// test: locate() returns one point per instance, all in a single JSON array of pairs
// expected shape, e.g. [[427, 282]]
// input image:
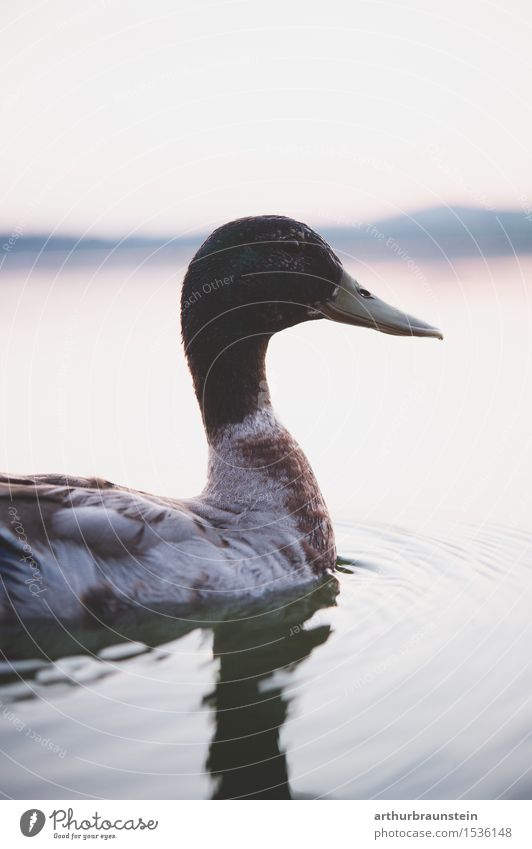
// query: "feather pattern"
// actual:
[[75, 547]]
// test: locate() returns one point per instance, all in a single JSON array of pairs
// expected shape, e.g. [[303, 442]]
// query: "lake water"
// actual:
[[409, 676]]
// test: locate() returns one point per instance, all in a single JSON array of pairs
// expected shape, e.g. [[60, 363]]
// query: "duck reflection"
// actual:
[[256, 649], [246, 759]]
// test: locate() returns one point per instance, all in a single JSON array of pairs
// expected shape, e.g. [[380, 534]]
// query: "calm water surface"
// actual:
[[409, 676]]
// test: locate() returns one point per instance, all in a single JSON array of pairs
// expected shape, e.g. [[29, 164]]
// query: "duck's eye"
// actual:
[[365, 293]]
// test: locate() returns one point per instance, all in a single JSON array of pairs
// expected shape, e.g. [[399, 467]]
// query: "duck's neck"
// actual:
[[229, 381], [254, 463]]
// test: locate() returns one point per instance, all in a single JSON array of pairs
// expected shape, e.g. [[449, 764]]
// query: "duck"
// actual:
[[78, 549]]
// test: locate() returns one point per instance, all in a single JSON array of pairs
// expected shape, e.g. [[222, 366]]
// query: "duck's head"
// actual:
[[264, 274], [256, 276]]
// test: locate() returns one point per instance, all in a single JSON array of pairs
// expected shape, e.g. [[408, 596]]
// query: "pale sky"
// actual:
[[159, 116]]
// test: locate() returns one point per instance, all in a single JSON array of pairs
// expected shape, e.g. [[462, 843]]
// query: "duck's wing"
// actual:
[[71, 547]]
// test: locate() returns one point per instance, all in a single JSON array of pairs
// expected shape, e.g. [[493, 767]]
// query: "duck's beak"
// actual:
[[351, 304]]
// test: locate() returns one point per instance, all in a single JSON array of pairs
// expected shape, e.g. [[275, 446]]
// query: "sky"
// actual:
[[158, 117]]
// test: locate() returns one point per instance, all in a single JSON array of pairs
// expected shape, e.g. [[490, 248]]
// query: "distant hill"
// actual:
[[445, 231], [434, 233]]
